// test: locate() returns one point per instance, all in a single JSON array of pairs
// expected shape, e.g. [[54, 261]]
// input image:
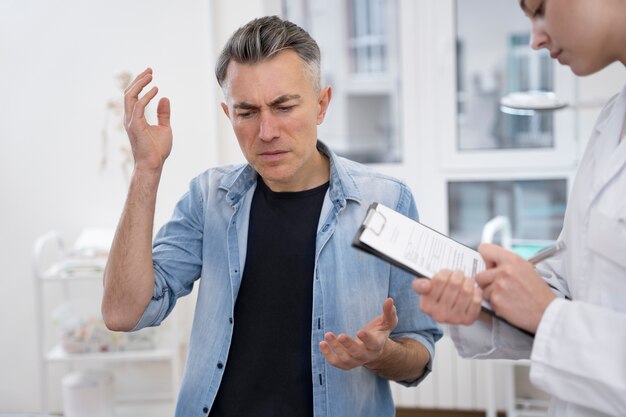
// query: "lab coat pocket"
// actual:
[[607, 236]]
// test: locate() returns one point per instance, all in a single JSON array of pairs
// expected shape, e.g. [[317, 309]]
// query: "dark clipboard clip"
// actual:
[[375, 221]]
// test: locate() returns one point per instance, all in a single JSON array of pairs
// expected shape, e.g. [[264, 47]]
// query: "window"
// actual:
[[493, 60], [368, 36], [535, 208], [358, 40]]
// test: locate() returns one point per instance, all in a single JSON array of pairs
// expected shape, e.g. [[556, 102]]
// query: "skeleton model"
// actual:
[[115, 146]]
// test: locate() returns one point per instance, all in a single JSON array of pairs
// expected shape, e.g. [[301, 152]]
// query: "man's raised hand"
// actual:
[[151, 144]]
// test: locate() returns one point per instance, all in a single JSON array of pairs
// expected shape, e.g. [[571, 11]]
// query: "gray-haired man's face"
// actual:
[[274, 109]]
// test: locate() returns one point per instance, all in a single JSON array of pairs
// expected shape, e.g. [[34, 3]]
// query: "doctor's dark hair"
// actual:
[[261, 39]]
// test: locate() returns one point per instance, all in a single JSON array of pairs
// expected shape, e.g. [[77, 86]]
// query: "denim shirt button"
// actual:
[[220, 365], [230, 319], [205, 410]]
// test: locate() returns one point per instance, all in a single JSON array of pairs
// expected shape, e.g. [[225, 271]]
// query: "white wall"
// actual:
[[58, 63], [57, 60]]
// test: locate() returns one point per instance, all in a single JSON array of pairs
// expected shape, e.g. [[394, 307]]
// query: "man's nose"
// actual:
[[268, 129], [539, 38]]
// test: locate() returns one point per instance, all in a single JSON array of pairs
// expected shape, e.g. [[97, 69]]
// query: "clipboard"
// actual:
[[413, 246], [416, 248]]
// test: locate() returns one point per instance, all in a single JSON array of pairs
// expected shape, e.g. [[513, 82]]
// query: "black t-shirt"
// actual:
[[268, 373]]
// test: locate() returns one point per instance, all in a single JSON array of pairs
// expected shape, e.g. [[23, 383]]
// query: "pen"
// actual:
[[547, 252]]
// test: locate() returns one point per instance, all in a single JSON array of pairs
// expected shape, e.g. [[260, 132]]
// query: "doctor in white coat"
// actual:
[[578, 354]]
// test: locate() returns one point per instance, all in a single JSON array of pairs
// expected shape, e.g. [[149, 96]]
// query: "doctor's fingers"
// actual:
[[422, 286], [494, 255], [460, 300], [510, 267], [498, 285], [453, 286], [131, 94], [467, 306], [439, 283], [429, 299], [474, 309]]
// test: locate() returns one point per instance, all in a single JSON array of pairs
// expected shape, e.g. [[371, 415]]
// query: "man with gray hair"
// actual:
[[288, 317]]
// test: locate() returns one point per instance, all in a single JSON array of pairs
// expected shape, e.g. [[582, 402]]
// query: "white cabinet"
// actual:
[[524, 400], [63, 279]]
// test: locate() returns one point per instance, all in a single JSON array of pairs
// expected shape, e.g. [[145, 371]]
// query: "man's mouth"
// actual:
[[272, 155]]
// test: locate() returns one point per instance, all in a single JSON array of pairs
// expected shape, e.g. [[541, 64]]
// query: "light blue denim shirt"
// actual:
[[206, 240]]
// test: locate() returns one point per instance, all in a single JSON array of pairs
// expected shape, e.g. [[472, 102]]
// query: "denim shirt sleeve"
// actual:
[[412, 323], [176, 256]]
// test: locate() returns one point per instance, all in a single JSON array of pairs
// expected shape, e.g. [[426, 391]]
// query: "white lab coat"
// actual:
[[579, 352]]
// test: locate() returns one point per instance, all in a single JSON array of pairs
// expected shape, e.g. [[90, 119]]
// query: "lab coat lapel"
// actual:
[[610, 158]]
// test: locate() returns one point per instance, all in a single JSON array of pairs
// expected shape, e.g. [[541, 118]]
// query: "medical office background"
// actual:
[[416, 90]]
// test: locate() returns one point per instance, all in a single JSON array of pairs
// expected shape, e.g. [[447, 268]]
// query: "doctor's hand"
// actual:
[[514, 289], [151, 144], [345, 352], [449, 297]]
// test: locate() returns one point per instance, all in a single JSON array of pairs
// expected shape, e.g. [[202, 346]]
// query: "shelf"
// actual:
[[57, 354], [70, 276], [81, 269], [61, 272], [532, 413], [145, 408], [147, 397]]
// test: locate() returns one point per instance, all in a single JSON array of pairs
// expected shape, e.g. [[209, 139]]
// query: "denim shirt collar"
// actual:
[[342, 186]]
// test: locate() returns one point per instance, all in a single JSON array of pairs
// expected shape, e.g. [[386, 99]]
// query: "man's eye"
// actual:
[[245, 115], [538, 11], [284, 109]]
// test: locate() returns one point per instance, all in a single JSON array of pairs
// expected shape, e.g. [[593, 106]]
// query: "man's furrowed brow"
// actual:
[[284, 99], [245, 106]]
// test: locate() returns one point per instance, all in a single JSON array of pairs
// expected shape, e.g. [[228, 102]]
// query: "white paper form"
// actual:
[[416, 246]]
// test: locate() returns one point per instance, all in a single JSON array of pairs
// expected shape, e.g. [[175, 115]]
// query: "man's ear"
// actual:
[[225, 109], [323, 101]]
